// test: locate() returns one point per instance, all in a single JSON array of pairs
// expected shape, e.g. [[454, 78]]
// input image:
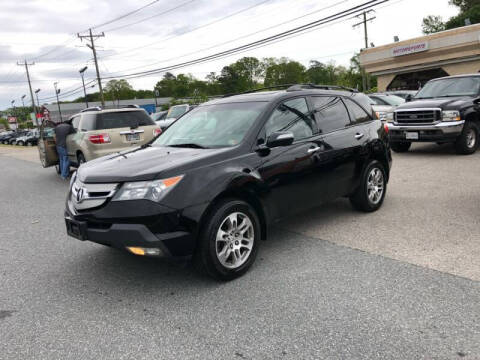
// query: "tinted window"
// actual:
[[291, 116], [87, 122], [357, 114], [461, 86], [377, 100], [330, 113], [112, 120], [177, 111]]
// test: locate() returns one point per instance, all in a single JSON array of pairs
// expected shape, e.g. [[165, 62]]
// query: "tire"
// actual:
[[29, 143], [400, 147], [467, 142], [239, 252], [20, 143], [367, 197], [80, 159]]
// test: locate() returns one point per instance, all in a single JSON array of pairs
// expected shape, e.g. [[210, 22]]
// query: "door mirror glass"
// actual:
[[408, 98], [280, 138]]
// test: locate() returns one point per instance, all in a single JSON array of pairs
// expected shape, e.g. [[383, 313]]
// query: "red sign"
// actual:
[[12, 120]]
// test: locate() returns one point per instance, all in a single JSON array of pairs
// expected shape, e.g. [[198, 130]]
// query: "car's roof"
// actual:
[[457, 76], [269, 96]]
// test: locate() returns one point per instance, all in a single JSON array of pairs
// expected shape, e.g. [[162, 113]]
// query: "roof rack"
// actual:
[[300, 87], [261, 89], [94, 108]]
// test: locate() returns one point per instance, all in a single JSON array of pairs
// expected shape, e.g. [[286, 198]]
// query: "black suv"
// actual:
[[446, 110], [210, 185]]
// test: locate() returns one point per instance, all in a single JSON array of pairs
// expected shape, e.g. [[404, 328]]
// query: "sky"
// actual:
[[168, 32]]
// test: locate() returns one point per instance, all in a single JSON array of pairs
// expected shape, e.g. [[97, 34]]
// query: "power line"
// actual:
[[189, 31], [263, 42], [239, 38], [150, 17]]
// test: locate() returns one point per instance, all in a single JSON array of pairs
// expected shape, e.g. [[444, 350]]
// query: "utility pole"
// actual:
[[57, 91], [365, 77], [91, 37], [34, 108], [81, 71]]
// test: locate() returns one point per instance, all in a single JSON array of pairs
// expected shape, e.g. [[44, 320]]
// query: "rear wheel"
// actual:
[[20, 143], [467, 142], [229, 241], [29, 143], [370, 194], [400, 147]]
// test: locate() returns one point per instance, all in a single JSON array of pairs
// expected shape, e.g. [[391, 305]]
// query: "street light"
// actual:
[[36, 93], [57, 91], [23, 103], [81, 71], [13, 106]]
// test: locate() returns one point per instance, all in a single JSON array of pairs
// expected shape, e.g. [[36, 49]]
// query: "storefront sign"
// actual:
[[410, 49]]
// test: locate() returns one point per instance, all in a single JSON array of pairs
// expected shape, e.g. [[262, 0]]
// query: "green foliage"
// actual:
[[284, 71], [4, 122], [432, 24], [118, 90], [469, 9]]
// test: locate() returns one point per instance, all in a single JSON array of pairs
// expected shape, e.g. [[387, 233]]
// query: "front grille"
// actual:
[[427, 116], [87, 196]]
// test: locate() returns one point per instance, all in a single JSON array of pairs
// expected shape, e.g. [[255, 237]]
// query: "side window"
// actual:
[[357, 114], [330, 113], [75, 122], [292, 116], [378, 101], [87, 123]]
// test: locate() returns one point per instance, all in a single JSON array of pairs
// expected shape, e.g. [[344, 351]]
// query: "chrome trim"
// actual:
[[131, 132], [82, 195], [418, 109], [315, 149], [445, 126]]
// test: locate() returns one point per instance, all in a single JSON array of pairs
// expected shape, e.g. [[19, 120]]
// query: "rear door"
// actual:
[[46, 144], [74, 139]]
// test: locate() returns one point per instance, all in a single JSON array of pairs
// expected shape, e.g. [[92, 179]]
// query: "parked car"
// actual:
[[384, 104], [28, 139], [13, 139], [446, 110], [208, 188], [404, 94], [99, 133], [5, 136], [161, 115]]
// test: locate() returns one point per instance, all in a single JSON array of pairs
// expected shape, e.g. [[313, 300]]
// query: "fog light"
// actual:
[[144, 251]]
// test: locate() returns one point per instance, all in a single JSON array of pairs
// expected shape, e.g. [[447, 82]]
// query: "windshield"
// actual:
[[177, 111], [212, 126], [392, 100], [466, 86]]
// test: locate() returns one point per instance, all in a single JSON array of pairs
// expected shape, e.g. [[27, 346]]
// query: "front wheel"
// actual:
[[370, 194], [229, 240], [20, 143], [467, 142], [400, 147], [80, 159]]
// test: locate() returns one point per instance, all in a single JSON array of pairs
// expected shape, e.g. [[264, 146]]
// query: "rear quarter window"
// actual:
[[123, 119]]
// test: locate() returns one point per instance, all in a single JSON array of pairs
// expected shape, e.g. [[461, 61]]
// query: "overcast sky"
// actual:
[[174, 31]]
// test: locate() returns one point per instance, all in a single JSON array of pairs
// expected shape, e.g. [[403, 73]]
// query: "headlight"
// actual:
[[149, 190], [389, 117], [451, 115], [381, 115]]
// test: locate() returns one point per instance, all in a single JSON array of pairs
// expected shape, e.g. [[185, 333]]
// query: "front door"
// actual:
[[46, 144], [288, 171]]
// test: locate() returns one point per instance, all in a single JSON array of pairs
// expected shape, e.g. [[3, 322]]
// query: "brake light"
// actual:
[[99, 139], [385, 126], [157, 132]]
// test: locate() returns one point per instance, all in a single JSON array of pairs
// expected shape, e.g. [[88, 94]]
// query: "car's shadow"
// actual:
[[431, 149]]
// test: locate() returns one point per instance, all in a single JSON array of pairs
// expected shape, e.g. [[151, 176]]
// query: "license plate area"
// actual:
[[76, 229], [411, 135], [133, 137]]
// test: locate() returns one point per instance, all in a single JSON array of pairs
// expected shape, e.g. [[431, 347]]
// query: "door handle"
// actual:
[[358, 136], [315, 149]]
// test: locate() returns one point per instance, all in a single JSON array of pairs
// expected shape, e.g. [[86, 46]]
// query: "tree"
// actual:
[[432, 24], [284, 71], [465, 5], [472, 13], [119, 90]]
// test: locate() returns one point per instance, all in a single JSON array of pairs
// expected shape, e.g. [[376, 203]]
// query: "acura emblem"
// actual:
[[80, 194]]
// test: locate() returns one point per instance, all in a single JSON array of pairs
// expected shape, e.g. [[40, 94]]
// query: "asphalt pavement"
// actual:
[[330, 284]]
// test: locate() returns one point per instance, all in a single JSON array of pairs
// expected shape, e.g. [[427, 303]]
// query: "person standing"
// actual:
[[62, 130]]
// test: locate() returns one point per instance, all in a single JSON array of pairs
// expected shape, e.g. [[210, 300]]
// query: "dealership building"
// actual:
[[411, 63]]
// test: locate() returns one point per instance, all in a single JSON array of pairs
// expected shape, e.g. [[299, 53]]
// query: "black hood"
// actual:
[[450, 103], [145, 164]]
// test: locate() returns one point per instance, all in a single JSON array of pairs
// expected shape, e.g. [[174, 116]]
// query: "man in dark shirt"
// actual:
[[62, 130]]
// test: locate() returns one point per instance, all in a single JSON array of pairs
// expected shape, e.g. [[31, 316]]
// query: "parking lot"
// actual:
[[333, 283]]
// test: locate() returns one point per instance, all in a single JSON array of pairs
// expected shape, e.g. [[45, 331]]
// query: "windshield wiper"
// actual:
[[189, 145]]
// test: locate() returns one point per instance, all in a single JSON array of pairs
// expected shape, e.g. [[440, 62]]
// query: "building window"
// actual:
[[415, 80]]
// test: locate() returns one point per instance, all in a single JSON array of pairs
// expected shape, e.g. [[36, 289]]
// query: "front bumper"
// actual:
[[441, 131], [138, 225]]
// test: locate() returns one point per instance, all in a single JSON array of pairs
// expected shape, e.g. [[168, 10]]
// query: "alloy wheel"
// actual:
[[234, 241], [375, 185], [471, 137]]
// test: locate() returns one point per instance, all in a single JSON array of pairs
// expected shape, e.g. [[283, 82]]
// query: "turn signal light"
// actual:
[[144, 251], [157, 132], [385, 126], [99, 139], [136, 250]]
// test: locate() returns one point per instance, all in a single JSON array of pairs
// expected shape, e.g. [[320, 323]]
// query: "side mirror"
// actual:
[[476, 101], [408, 98], [280, 139]]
